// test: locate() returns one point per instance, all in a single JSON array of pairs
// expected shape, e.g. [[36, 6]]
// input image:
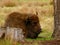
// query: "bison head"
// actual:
[[33, 26]]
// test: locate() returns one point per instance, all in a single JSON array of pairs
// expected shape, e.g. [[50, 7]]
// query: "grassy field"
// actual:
[[45, 14]]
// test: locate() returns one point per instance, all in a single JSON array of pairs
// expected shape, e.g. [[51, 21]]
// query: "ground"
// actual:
[[45, 14]]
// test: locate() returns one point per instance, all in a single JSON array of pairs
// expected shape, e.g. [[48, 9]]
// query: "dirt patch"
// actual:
[[51, 42]]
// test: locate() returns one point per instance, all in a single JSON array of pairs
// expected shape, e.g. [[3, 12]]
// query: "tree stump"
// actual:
[[14, 34]]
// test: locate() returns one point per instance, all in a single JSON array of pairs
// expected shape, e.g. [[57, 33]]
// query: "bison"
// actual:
[[29, 23]]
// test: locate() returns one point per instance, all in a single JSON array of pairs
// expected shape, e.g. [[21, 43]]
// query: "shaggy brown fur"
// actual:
[[28, 22]]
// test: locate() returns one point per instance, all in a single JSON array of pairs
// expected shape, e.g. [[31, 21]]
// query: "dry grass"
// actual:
[[11, 3], [45, 14]]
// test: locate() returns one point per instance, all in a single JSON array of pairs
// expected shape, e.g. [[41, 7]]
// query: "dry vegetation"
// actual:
[[44, 8]]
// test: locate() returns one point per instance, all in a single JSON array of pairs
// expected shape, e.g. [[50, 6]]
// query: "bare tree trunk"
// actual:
[[56, 33]]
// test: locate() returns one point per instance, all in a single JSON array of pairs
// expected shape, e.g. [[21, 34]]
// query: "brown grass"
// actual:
[[45, 14]]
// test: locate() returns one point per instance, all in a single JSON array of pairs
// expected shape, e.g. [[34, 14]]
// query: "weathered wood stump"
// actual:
[[14, 34]]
